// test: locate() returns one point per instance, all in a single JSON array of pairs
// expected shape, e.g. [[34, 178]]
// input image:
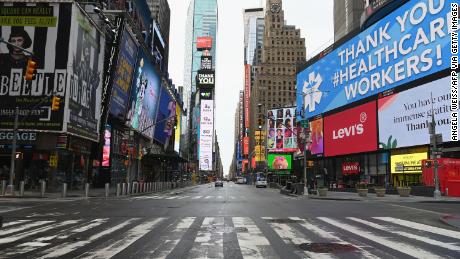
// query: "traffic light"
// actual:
[[55, 103], [31, 69]]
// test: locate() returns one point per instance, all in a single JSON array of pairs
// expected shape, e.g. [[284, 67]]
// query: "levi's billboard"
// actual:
[[408, 44], [351, 131]]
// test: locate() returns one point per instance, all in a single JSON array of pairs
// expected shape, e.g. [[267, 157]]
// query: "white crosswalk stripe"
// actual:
[[372, 237]]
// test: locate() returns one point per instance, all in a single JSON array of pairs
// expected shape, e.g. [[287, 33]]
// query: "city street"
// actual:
[[236, 221]]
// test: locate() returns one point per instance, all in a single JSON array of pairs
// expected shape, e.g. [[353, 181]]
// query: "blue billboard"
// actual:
[[410, 43], [123, 76], [144, 96], [165, 117]]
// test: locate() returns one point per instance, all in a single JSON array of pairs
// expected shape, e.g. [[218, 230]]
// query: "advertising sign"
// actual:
[[279, 161], [349, 168], [44, 30], [177, 132], [206, 135], [206, 63], [203, 43], [246, 146], [281, 135], [247, 94], [85, 77], [241, 117], [407, 163], [404, 116], [123, 76], [165, 117], [317, 139], [206, 94], [205, 78], [106, 147], [144, 96], [410, 43], [351, 131]]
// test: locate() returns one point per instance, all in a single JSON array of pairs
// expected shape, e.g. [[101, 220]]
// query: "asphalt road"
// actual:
[[236, 221]]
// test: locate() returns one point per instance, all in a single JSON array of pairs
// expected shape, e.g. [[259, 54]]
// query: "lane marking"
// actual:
[[68, 247], [209, 241], [423, 227], [172, 198], [196, 197], [252, 243], [422, 210], [24, 227], [183, 197], [12, 223], [114, 246], [208, 197], [397, 246]]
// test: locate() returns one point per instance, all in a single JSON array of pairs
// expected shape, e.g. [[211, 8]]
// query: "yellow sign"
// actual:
[[407, 163], [53, 161], [33, 21], [260, 153]]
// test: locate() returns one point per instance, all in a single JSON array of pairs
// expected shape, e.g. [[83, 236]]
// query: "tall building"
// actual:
[[253, 33], [201, 21], [275, 76], [347, 16], [161, 15]]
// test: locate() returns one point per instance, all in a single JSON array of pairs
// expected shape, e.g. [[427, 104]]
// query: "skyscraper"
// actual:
[[253, 33], [347, 16], [201, 21]]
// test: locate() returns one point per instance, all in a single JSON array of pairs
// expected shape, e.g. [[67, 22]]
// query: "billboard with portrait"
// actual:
[[279, 161], [165, 117], [45, 31], [145, 92], [404, 116], [410, 43], [351, 131], [206, 135], [106, 147], [281, 131], [317, 145], [177, 131], [85, 77], [123, 76]]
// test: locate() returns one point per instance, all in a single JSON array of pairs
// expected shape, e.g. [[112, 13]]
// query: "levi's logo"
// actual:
[[350, 167], [353, 130]]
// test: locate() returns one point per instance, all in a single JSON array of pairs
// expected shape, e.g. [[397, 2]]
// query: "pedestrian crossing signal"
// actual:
[[55, 103], [31, 70]]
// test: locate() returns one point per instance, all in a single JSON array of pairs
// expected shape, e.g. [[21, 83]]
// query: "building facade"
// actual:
[[347, 16]]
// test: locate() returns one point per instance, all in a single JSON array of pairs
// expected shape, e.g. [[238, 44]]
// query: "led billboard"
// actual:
[[203, 43], [407, 163], [279, 161], [165, 117], [206, 135], [106, 147], [404, 116], [205, 78], [177, 131], [317, 139], [351, 131], [410, 43], [247, 94], [281, 132]]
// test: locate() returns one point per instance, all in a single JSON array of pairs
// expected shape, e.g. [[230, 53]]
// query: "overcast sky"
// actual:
[[313, 17]]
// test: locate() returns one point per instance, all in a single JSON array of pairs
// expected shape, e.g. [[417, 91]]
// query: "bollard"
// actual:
[[43, 188], [155, 186], [151, 186], [123, 189], [3, 187], [128, 188], [118, 189], [64, 190], [134, 187], [21, 188], [87, 190], [107, 185]]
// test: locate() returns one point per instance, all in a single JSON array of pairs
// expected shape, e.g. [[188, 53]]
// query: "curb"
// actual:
[[333, 199], [451, 220]]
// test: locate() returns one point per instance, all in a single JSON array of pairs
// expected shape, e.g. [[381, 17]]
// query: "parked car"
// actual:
[[240, 180], [261, 182], [219, 183]]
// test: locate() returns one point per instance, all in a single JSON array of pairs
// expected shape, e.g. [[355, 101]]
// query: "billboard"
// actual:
[[203, 43], [44, 30], [410, 43], [85, 77], [177, 131], [351, 131], [247, 93], [407, 163], [279, 161], [205, 78], [317, 139], [259, 149], [123, 76], [404, 116], [206, 63], [246, 146], [206, 135], [106, 147], [281, 135], [240, 115], [350, 168], [144, 96], [165, 117], [206, 94]]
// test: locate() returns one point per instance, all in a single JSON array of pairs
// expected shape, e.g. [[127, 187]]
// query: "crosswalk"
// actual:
[[227, 237], [201, 197]]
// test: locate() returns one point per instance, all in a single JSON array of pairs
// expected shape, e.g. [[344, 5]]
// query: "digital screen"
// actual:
[[279, 161]]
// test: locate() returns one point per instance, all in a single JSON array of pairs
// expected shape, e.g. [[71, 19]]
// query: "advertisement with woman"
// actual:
[[165, 117], [280, 132]]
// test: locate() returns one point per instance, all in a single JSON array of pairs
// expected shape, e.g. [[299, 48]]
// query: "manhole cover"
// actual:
[[327, 247], [241, 230], [283, 221]]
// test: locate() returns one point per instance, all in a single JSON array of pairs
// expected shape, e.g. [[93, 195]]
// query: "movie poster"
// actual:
[[85, 77], [165, 117], [45, 31]]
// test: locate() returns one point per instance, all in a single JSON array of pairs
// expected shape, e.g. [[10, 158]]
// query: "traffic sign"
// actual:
[[305, 124]]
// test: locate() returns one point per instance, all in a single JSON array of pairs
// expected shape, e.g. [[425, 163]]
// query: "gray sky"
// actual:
[[313, 17]]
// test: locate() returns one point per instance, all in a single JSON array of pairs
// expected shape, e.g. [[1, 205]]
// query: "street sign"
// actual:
[[305, 124]]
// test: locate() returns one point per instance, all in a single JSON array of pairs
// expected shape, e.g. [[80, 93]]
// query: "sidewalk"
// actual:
[[348, 196]]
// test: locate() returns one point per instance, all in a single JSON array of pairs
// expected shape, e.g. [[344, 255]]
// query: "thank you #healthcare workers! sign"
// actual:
[[410, 43]]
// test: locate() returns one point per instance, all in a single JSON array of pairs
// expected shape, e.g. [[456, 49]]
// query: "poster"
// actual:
[[165, 117], [206, 135], [123, 76], [281, 131], [177, 131], [85, 77], [46, 34], [279, 161], [317, 139], [145, 92]]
